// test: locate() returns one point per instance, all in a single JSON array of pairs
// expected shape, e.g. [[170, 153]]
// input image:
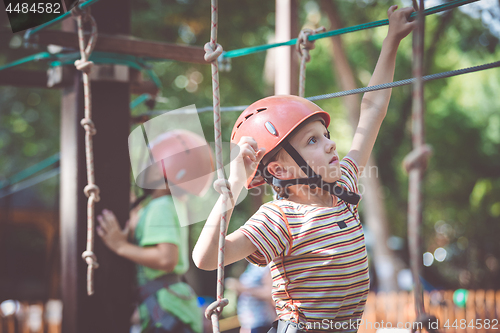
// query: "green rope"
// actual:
[[139, 100], [34, 57], [31, 32], [28, 172], [255, 49], [97, 57]]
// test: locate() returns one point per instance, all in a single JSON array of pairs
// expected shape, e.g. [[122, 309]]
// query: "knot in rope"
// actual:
[[417, 158], [92, 189], [89, 126], [76, 11], [216, 307], [210, 54], [221, 184], [90, 258], [304, 44], [84, 65]]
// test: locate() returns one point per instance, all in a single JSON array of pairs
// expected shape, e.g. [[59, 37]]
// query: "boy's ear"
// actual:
[[278, 170]]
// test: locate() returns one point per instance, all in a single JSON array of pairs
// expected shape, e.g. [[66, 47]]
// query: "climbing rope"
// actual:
[[364, 26], [91, 190], [415, 164], [303, 46], [416, 170], [406, 82], [212, 52], [145, 116]]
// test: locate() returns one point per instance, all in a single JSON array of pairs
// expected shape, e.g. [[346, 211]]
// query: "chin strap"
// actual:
[[314, 180]]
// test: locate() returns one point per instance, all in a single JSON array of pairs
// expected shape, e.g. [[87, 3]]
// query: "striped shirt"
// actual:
[[317, 257]]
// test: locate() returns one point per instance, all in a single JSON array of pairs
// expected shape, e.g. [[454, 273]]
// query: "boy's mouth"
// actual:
[[334, 159]]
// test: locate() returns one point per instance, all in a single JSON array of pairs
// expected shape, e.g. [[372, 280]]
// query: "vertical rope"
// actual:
[[213, 51], [416, 173], [415, 164], [91, 190], [303, 46]]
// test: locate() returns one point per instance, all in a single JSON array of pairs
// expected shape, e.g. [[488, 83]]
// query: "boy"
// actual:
[[311, 238]]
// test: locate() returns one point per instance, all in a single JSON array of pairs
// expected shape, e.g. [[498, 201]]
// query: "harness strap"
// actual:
[[151, 287], [147, 295]]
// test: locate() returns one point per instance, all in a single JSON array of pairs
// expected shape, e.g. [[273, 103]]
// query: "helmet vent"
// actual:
[[246, 117], [270, 128], [261, 109], [239, 125]]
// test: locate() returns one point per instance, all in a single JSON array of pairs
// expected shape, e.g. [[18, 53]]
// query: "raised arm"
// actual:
[[238, 246], [374, 104]]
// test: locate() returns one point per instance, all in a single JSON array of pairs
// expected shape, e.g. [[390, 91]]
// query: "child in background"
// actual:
[[311, 237], [160, 245], [255, 304]]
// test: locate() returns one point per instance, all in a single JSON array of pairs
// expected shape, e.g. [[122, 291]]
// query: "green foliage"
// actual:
[[462, 187]]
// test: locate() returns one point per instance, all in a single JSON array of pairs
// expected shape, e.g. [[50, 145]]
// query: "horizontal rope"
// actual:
[[55, 158], [346, 92], [405, 82], [33, 31], [22, 61], [63, 59], [260, 48], [30, 182], [30, 171]]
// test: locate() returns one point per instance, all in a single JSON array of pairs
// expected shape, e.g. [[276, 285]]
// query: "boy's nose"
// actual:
[[331, 146]]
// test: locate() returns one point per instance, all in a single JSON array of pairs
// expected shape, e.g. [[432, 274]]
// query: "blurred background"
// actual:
[[461, 219]]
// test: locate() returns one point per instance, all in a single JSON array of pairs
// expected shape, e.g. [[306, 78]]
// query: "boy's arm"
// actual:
[[238, 246], [374, 104]]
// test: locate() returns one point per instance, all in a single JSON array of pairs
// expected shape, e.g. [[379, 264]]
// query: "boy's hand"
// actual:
[[399, 26], [109, 230], [246, 161]]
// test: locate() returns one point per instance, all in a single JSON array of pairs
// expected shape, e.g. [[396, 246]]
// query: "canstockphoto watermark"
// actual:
[[332, 325]]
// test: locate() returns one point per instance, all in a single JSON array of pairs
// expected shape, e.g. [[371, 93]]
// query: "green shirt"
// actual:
[[159, 223]]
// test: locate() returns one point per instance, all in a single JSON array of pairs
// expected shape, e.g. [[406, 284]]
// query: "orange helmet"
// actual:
[[270, 120], [185, 159]]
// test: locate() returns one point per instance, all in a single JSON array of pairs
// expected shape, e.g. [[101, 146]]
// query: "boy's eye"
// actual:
[[312, 140], [327, 134]]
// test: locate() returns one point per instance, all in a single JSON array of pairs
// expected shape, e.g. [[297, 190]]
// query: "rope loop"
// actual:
[[84, 66], [90, 258], [216, 307], [210, 54], [221, 184], [76, 11], [89, 126], [304, 45], [417, 158], [92, 189]]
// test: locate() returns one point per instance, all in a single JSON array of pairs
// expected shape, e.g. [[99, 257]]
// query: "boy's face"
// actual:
[[312, 143]]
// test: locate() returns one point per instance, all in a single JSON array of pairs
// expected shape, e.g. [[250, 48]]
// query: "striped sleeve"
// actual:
[[350, 172], [267, 229]]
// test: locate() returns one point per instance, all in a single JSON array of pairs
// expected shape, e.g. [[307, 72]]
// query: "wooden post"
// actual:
[[286, 64], [109, 309]]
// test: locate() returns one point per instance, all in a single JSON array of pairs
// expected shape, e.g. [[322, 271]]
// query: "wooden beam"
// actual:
[[286, 62], [127, 45]]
